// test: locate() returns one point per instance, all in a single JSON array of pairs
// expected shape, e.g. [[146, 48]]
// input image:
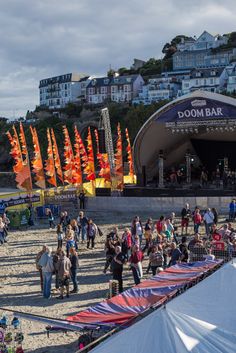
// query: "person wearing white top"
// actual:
[[208, 220]]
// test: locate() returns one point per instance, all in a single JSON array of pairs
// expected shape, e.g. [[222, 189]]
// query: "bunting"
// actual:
[[49, 163], [37, 163], [57, 161], [119, 161], [103, 161], [130, 157]]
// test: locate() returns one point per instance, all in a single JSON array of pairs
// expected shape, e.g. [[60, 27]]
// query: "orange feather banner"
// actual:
[[69, 158], [103, 161], [37, 162], [90, 173], [49, 162], [57, 161], [119, 170], [130, 157], [90, 168], [77, 160], [21, 168]]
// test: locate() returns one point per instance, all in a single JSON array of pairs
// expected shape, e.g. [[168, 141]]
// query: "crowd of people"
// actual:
[[164, 242], [163, 245]]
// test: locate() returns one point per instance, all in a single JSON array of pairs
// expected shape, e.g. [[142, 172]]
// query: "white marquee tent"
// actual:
[[203, 319]]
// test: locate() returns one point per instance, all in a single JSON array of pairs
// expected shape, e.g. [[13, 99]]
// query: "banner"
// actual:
[[37, 163], [57, 161], [195, 109], [49, 163], [119, 171], [69, 158], [105, 172], [77, 161], [21, 200], [130, 158], [21, 168]]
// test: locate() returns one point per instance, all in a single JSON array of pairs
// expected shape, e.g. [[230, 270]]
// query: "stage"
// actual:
[[151, 191]]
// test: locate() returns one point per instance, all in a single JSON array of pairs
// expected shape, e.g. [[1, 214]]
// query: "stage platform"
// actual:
[[150, 191]]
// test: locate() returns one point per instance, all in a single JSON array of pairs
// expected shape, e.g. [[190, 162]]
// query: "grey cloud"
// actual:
[[44, 38]]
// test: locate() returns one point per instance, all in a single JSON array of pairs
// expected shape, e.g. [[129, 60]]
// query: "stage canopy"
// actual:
[[188, 123], [203, 319]]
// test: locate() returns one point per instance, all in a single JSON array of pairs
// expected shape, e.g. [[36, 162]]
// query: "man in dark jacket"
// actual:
[[117, 267]]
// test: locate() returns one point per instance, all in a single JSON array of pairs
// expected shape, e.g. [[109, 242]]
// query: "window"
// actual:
[[65, 86], [196, 82]]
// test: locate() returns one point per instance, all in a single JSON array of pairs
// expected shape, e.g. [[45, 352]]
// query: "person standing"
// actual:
[[136, 264], [74, 268], [137, 229], [126, 243], [91, 233], [175, 254], [50, 218], [60, 236], [75, 228], [82, 222], [63, 268], [209, 221], [185, 215], [148, 229], [232, 208], [197, 220], [46, 262], [117, 267], [215, 213], [2, 232], [184, 249], [156, 259], [82, 200], [38, 266]]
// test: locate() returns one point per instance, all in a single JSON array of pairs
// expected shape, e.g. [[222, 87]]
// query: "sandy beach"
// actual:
[[20, 289]]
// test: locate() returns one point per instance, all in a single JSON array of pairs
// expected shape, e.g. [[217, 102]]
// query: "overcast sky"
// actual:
[[44, 38]]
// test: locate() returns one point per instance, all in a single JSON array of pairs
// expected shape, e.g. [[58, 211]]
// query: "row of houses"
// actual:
[[57, 92], [197, 64]]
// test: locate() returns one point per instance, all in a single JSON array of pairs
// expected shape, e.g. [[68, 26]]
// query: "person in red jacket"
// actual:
[[197, 220], [136, 264]]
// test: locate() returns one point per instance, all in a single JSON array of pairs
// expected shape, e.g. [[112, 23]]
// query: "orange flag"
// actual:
[[119, 161], [77, 160], [90, 169], [69, 168], [103, 161], [130, 157], [49, 163], [21, 168], [37, 162], [57, 161]]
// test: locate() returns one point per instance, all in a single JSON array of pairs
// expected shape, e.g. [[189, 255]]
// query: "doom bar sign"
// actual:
[[198, 109]]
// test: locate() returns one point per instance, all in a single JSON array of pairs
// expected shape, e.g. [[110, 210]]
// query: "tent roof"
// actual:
[[203, 319]]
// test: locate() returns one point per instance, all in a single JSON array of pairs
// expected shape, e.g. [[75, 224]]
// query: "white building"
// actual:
[[212, 80], [56, 92], [204, 41]]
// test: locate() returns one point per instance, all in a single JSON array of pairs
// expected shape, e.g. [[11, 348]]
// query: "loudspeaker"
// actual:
[[101, 140]]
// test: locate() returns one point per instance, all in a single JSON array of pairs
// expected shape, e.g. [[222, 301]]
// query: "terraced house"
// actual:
[[115, 89]]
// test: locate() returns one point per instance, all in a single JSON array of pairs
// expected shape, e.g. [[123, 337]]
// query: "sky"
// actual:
[[45, 38]]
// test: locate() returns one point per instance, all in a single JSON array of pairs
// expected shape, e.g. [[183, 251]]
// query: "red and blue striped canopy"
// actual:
[[123, 308]]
